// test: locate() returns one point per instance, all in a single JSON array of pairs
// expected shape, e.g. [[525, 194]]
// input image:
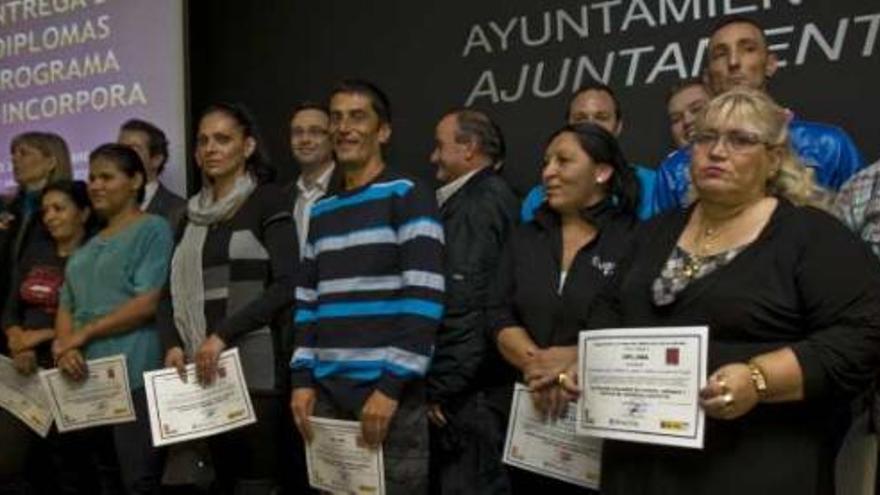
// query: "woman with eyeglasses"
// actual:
[[792, 302]]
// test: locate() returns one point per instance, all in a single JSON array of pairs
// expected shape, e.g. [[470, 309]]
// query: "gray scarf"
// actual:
[[187, 282]]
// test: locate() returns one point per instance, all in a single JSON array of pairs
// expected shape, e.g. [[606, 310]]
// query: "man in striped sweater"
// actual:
[[370, 295]]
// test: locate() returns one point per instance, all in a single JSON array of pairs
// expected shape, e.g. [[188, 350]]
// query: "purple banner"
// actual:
[[80, 68]]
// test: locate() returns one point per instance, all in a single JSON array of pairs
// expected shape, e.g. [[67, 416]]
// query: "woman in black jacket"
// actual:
[[554, 266], [791, 299], [38, 159], [28, 325]]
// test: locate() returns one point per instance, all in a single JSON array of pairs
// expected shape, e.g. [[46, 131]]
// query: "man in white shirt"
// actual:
[[313, 151]]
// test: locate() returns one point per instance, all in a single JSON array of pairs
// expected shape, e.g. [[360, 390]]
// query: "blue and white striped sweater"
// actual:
[[371, 288]]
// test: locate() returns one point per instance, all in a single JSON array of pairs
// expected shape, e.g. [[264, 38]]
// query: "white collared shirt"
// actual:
[[307, 195], [149, 192], [449, 190]]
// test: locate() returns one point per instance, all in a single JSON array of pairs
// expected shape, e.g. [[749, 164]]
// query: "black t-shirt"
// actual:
[[33, 300]]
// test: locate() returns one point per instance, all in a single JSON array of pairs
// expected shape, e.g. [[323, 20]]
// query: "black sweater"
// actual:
[[806, 283], [525, 293], [250, 260]]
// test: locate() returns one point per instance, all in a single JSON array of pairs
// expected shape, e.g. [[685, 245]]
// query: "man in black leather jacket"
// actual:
[[478, 210]]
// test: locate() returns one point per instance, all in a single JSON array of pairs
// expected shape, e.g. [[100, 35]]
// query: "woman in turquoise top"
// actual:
[[109, 299]]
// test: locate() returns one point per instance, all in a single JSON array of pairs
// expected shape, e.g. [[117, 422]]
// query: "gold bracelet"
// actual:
[[759, 379]]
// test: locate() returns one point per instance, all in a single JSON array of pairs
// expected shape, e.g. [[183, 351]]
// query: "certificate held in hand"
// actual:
[[550, 447], [643, 384], [24, 398], [103, 398], [186, 410], [338, 461]]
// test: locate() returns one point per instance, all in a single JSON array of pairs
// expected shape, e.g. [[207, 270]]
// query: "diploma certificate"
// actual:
[[24, 398], [181, 411], [642, 384], [548, 447], [103, 398], [339, 462]]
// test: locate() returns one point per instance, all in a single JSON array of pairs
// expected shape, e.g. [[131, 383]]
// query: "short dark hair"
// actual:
[[125, 159], [378, 99], [596, 86], [476, 126], [257, 163], [78, 193], [737, 19], [683, 84], [76, 190], [604, 148], [157, 143], [309, 105]]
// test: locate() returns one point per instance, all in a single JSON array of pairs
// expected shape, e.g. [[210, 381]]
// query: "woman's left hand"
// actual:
[[206, 359], [74, 340], [730, 392], [550, 402]]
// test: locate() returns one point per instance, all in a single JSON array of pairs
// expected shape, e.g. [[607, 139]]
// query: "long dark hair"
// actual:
[[258, 163], [603, 148]]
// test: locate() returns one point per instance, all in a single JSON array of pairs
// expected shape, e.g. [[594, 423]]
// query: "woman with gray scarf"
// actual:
[[231, 286]]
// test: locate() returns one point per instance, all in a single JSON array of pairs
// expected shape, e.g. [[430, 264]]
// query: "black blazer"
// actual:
[[167, 205]]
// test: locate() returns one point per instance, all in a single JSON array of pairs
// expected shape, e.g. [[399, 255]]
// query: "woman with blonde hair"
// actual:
[[791, 299]]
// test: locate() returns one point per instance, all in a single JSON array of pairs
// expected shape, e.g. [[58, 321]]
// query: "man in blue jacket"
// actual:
[[597, 104], [739, 57]]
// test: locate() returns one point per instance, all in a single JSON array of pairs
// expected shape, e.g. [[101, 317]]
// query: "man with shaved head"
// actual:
[[738, 57]]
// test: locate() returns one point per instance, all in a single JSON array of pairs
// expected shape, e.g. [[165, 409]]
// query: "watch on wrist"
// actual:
[[758, 380]]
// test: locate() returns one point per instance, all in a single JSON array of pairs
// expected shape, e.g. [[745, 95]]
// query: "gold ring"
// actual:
[[560, 379]]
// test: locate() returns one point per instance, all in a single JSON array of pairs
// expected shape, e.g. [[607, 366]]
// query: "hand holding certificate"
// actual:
[[338, 461], [550, 447], [186, 410], [643, 384], [103, 398], [24, 398]]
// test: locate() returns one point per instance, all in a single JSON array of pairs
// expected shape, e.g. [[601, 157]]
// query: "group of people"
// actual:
[[359, 293]]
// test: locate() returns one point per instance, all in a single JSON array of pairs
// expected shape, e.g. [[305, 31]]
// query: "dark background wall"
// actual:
[[430, 56]]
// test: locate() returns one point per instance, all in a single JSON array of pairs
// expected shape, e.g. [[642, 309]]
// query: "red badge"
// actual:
[[672, 356]]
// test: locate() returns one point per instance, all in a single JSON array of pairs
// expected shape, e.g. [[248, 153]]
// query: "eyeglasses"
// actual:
[[735, 140]]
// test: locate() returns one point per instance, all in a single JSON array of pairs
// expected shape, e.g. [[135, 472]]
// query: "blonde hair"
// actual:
[[793, 180], [51, 145]]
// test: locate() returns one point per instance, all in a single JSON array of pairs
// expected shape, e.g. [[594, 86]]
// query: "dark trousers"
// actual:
[[247, 460], [16, 445], [466, 453], [135, 463], [405, 449], [57, 464]]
